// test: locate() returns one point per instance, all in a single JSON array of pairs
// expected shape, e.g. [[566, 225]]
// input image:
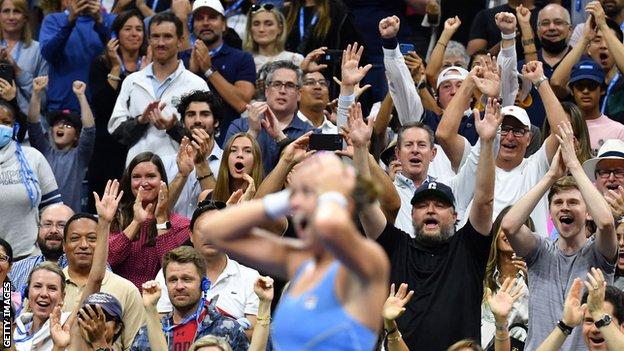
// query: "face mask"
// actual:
[[6, 135], [554, 47]]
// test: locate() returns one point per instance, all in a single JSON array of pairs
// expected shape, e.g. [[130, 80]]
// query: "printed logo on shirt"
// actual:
[[10, 177]]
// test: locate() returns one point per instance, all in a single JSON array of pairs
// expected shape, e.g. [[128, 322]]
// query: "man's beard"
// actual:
[[554, 47], [434, 240], [49, 253], [612, 12]]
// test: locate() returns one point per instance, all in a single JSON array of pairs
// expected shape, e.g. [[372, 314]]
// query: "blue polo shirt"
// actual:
[[269, 148], [233, 65], [467, 127]]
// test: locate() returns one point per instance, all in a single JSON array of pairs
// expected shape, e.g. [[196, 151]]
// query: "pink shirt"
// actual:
[[138, 262], [602, 129]]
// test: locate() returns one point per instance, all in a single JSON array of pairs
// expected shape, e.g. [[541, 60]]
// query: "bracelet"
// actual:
[[277, 204], [441, 43], [540, 81], [501, 339], [334, 197], [394, 338], [263, 321], [199, 179], [509, 36], [113, 77], [530, 52]]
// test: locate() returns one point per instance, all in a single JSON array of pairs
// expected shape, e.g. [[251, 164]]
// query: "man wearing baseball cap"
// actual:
[[587, 86], [445, 267], [229, 72]]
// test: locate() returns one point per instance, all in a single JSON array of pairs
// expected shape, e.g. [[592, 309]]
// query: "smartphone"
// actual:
[[331, 56], [7, 72], [326, 142], [406, 48]]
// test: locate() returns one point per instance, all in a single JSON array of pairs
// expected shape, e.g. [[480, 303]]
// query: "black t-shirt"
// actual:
[[448, 286], [484, 27]]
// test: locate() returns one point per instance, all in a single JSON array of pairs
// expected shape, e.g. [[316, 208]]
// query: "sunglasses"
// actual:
[[266, 7], [219, 205]]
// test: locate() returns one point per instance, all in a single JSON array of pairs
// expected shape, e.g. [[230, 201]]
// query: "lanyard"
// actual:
[[301, 20], [17, 49], [188, 319], [154, 5], [26, 333], [609, 88], [234, 9], [215, 51], [138, 65], [578, 6]]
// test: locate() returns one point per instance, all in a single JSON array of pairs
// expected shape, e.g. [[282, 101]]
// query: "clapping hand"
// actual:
[[141, 214], [8, 91], [185, 157], [503, 301], [487, 76], [394, 306], [162, 207], [573, 311], [566, 144], [60, 333], [596, 287], [107, 206]]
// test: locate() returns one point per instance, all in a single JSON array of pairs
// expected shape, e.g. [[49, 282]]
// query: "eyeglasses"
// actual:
[[311, 82], [48, 225], [517, 132], [64, 125], [266, 7], [557, 23], [4, 258], [606, 173], [277, 85]]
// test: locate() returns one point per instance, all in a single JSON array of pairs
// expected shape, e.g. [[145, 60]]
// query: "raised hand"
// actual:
[[145, 116], [185, 157], [566, 144], [357, 90], [250, 191], [394, 306], [506, 22], [162, 207], [8, 91], [40, 83], [107, 206], [523, 14], [557, 168], [159, 120], [200, 142], [297, 151], [235, 198], [487, 127], [181, 8], [256, 113], [432, 7], [589, 32], [415, 65], [141, 214], [112, 54], [572, 309], [264, 288], [271, 125], [359, 131], [615, 199], [79, 88], [533, 71], [595, 9], [352, 73], [487, 76], [389, 27], [151, 293], [202, 55], [596, 287], [309, 64], [502, 302], [320, 172], [60, 333], [452, 24], [92, 324]]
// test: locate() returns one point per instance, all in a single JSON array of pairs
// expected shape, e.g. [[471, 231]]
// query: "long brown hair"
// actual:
[[223, 189], [579, 126], [125, 212], [492, 263], [25, 35], [324, 17], [251, 46]]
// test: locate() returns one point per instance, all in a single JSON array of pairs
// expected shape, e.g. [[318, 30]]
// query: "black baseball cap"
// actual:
[[434, 189], [64, 115]]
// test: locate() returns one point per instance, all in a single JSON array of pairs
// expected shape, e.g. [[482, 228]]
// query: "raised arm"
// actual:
[[155, 336], [437, 55], [597, 206], [86, 115], [507, 59], [260, 337], [596, 287], [572, 317], [523, 15], [519, 235], [561, 75], [393, 308], [616, 48], [555, 113], [184, 161], [483, 201], [501, 304], [37, 139], [406, 99]]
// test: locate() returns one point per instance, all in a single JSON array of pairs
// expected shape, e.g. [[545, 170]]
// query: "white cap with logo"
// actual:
[[213, 4], [447, 74], [517, 112]]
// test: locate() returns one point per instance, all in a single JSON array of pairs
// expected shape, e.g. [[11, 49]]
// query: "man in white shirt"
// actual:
[[314, 99], [201, 113], [144, 108], [232, 282]]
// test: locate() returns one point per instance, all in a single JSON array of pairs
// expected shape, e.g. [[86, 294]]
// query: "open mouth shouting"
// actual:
[[430, 224], [239, 167]]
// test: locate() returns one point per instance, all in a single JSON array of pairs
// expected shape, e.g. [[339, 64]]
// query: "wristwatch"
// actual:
[[163, 226], [603, 322], [209, 72], [565, 329]]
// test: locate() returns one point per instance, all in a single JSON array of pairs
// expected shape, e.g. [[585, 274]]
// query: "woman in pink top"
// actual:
[[144, 228]]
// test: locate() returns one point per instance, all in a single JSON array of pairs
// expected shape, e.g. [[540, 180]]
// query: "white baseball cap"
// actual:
[[213, 4], [448, 74], [612, 149], [518, 113]]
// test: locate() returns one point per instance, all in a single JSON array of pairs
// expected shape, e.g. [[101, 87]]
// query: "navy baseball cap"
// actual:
[[64, 115], [109, 303], [434, 189], [587, 69]]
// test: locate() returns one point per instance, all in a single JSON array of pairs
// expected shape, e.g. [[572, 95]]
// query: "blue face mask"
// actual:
[[6, 135]]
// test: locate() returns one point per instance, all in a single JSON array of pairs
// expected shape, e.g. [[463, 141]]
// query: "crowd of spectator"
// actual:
[[312, 175]]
